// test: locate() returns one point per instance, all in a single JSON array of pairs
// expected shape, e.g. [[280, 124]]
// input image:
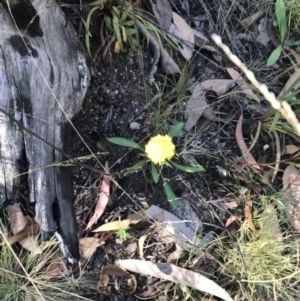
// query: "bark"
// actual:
[[43, 80]]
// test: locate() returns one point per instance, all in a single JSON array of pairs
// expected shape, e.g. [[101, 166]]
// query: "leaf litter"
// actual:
[[175, 274]]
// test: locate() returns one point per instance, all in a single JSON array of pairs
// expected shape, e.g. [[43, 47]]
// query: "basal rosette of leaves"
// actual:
[[159, 151]]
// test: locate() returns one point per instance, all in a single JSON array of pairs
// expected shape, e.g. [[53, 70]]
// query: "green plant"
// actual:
[[122, 22], [23, 275], [281, 20], [159, 152], [123, 233], [264, 264]]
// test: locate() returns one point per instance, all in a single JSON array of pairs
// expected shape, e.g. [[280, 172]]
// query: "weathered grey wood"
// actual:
[[29, 87]]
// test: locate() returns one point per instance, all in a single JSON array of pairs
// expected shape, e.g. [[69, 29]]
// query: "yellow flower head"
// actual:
[[160, 148]]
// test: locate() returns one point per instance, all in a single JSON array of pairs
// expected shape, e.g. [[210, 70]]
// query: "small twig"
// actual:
[[282, 106]]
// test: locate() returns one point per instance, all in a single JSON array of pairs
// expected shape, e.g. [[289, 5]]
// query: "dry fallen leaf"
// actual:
[[291, 149], [167, 63], [163, 13], [202, 41], [155, 48], [115, 270], [248, 216], [263, 36], [152, 290], [291, 195], [103, 198], [242, 84], [195, 107], [57, 267], [294, 53], [31, 229], [116, 225], [219, 86], [87, 247], [182, 35], [17, 223], [242, 145], [175, 274], [174, 227], [253, 18]]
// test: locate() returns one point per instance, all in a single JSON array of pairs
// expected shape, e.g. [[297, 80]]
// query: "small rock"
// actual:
[[185, 211], [134, 126]]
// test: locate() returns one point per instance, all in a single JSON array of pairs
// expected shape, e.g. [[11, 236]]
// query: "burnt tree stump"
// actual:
[[43, 80]]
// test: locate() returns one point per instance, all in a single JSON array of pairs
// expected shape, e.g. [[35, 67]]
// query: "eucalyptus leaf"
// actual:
[[176, 129], [124, 142], [190, 169], [170, 194], [137, 165], [274, 56], [154, 173]]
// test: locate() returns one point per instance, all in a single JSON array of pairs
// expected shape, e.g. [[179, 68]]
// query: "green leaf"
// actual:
[[128, 23], [170, 194], [176, 129], [288, 93], [137, 165], [116, 25], [190, 169], [280, 11], [124, 142], [87, 29], [275, 121], [168, 164], [130, 31], [274, 56], [154, 173], [297, 43], [125, 14], [108, 22]]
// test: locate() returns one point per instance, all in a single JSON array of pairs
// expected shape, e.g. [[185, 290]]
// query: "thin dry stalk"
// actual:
[[282, 106]]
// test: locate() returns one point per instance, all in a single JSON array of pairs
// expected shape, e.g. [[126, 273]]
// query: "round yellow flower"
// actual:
[[160, 148]]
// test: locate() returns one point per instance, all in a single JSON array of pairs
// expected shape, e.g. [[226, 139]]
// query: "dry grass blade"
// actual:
[[175, 274], [292, 80], [242, 145], [253, 18], [283, 107]]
